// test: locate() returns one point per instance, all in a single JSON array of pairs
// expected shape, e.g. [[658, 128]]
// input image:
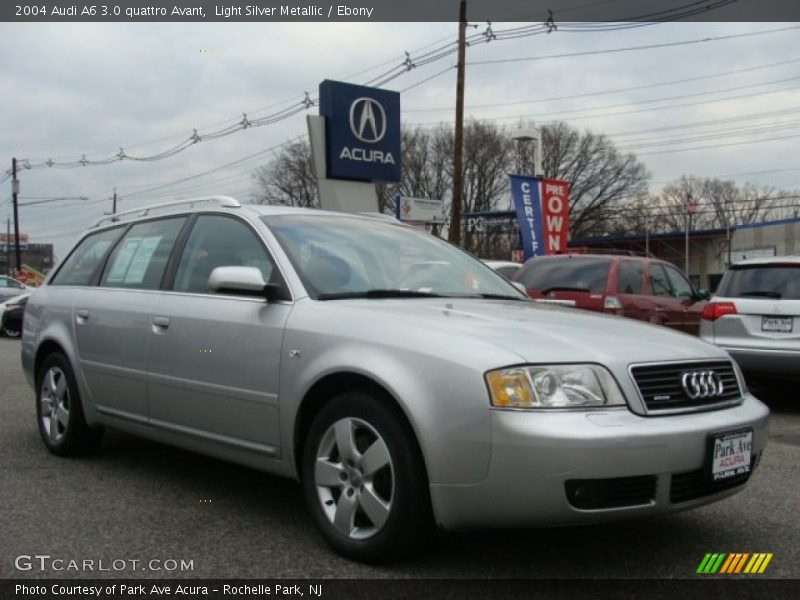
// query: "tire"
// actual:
[[59, 411], [366, 513]]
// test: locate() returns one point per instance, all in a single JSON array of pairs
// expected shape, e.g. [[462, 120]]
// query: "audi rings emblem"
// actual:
[[702, 384]]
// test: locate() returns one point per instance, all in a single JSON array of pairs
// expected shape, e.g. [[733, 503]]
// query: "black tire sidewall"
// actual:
[[409, 519]]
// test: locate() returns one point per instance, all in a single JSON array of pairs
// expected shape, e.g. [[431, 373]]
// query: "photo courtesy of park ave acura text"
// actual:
[[315, 300]]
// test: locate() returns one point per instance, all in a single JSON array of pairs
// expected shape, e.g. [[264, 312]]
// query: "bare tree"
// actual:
[[601, 179], [289, 179], [719, 203]]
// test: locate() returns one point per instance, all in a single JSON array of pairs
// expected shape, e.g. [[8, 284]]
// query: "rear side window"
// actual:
[[139, 260], [629, 277], [84, 261], [765, 281], [570, 274]]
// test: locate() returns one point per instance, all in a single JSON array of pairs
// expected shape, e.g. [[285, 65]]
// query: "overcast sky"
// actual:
[[68, 90]]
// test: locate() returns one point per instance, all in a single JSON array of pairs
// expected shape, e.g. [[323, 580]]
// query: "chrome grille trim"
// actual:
[[660, 388]]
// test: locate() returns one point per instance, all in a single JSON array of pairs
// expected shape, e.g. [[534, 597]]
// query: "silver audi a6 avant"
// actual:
[[402, 381]]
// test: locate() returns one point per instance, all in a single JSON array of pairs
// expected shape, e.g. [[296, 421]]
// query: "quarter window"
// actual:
[[217, 241], [139, 260], [83, 262]]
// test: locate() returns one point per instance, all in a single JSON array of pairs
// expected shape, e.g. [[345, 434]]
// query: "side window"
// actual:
[[139, 260], [658, 281], [217, 241], [84, 261], [680, 287], [629, 277]]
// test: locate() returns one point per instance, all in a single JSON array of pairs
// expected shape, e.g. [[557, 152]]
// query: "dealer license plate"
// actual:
[[730, 454], [777, 324]]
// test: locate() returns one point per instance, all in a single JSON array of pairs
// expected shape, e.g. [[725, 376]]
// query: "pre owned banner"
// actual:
[[555, 208], [542, 207]]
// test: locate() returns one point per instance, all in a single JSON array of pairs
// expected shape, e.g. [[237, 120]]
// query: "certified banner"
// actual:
[[525, 192]]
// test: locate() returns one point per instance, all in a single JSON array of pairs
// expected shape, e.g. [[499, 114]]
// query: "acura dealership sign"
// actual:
[[362, 131]]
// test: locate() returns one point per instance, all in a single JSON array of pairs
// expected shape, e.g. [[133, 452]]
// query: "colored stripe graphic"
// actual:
[[734, 562]]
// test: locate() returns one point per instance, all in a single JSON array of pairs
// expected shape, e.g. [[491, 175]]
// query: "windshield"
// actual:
[[340, 257], [764, 281], [577, 274]]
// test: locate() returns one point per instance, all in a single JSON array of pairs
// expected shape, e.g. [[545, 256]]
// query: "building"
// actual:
[[710, 250], [38, 256]]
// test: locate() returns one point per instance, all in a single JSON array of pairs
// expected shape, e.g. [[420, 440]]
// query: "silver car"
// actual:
[[755, 316], [402, 381]]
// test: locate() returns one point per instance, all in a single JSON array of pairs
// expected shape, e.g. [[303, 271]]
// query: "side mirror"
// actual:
[[703, 294], [520, 287], [242, 281]]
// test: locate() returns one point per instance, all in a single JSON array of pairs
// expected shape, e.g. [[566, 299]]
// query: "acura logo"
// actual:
[[367, 120], [702, 384]]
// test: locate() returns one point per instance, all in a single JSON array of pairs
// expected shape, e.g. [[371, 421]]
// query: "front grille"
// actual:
[[611, 493], [661, 385], [697, 484]]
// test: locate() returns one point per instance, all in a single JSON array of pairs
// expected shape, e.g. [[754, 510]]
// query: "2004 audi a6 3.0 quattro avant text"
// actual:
[[402, 381]]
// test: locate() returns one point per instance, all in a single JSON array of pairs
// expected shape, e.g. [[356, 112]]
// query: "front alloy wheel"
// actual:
[[364, 478], [355, 478]]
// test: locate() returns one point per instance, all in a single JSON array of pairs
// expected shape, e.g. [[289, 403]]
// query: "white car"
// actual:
[[11, 287], [755, 316], [506, 268]]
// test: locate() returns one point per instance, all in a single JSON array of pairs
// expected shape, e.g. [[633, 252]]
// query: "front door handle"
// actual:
[[160, 324], [82, 315]]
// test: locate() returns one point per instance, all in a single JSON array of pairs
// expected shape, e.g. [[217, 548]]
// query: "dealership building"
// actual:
[[710, 250]]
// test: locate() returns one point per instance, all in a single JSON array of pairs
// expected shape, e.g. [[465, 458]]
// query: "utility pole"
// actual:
[[8, 246], [15, 195], [455, 213], [114, 204]]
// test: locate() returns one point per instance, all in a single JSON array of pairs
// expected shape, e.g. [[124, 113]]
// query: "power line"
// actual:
[[631, 48], [609, 91]]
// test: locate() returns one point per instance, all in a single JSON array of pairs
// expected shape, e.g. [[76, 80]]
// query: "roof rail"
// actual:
[[223, 201]]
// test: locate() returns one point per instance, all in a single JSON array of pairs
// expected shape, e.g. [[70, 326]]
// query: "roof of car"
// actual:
[[224, 204], [768, 260], [500, 263]]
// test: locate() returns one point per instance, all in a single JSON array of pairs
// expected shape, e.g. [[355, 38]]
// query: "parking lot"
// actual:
[[137, 500]]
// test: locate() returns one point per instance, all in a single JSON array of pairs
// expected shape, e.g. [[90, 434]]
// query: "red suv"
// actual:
[[647, 289]]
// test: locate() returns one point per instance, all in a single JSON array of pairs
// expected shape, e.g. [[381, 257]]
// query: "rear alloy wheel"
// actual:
[[61, 422], [363, 480]]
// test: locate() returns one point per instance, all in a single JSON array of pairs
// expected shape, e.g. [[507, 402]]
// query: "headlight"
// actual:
[[556, 386]]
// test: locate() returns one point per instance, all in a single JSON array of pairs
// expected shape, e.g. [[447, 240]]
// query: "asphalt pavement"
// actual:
[[137, 500]]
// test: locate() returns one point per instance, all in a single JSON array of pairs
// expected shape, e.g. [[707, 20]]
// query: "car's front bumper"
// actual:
[[535, 454]]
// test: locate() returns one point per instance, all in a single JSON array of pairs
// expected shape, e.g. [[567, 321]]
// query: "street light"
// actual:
[[525, 135]]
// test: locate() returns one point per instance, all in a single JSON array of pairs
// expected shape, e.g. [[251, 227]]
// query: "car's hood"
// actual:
[[532, 331]]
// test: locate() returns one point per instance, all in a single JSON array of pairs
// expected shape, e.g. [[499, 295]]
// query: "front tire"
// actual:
[[59, 411], [364, 480]]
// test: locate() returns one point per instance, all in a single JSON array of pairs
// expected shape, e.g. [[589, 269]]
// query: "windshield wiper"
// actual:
[[761, 294], [378, 293], [499, 297], [564, 288]]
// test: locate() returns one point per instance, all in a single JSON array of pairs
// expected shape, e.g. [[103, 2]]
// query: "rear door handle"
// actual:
[[160, 324], [82, 315]]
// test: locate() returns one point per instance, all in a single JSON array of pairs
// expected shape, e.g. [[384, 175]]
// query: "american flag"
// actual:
[[691, 205]]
